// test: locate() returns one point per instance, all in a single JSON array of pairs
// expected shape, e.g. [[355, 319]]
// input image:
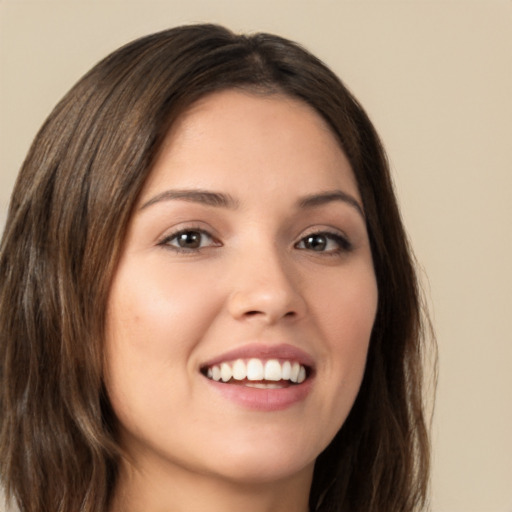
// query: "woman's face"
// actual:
[[241, 310]]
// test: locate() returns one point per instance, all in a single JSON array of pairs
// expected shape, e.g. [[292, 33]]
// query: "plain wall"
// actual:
[[436, 78]]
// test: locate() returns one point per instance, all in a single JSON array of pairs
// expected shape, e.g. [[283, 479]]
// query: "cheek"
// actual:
[[345, 308], [155, 310], [153, 326], [345, 314]]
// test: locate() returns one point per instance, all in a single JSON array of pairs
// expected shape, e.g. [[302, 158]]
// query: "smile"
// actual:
[[260, 373], [261, 377]]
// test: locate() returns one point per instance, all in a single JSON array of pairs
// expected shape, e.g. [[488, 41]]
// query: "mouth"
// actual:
[[258, 373]]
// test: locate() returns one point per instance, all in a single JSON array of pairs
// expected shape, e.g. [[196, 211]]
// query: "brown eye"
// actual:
[[315, 242], [330, 243], [188, 240]]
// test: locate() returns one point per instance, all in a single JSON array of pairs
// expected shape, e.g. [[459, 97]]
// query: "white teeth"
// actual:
[[271, 370], [286, 370], [263, 385], [254, 369], [216, 373], [239, 370], [294, 375], [225, 372], [302, 375]]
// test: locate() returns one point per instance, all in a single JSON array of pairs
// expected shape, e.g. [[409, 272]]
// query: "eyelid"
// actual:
[[165, 240], [343, 240]]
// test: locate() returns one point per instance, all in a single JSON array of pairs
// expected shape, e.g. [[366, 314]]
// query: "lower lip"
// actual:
[[263, 399]]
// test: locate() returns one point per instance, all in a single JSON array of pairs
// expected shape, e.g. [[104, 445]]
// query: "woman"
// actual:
[[207, 297]]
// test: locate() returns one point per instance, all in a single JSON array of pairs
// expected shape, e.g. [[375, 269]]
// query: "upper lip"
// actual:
[[283, 351]]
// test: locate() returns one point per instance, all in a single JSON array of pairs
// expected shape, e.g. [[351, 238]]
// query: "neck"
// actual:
[[158, 490]]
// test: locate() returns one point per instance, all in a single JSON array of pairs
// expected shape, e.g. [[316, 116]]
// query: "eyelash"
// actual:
[[343, 245], [166, 242]]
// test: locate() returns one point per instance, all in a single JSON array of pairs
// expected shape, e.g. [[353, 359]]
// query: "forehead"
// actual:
[[242, 137]]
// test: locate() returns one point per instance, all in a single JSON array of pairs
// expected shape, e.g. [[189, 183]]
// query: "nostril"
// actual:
[[255, 313], [268, 305]]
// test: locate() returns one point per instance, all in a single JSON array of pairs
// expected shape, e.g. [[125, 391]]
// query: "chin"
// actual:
[[270, 461], [270, 469]]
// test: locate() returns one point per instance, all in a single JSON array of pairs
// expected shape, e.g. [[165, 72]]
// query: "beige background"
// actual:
[[436, 78]]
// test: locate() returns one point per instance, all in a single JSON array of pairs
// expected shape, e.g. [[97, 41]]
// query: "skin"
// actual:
[[253, 278]]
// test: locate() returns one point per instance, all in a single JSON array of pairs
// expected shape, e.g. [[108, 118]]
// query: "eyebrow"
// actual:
[[221, 200], [206, 197], [323, 198]]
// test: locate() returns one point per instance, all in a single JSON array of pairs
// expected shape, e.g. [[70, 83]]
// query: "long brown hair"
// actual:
[[66, 224]]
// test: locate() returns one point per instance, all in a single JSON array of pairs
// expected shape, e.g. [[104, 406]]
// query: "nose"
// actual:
[[266, 289]]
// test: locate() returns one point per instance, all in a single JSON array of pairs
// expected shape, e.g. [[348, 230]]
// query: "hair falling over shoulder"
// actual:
[[66, 225]]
